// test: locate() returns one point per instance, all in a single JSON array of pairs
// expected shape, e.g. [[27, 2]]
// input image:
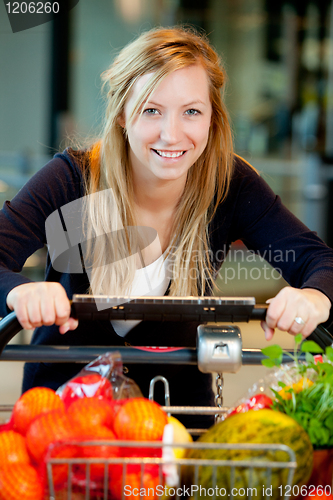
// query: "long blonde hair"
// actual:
[[159, 51]]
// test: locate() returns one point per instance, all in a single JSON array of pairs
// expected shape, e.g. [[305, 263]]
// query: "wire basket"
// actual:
[[237, 471]]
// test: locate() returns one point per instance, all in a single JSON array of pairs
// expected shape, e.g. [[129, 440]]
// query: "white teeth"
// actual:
[[169, 154]]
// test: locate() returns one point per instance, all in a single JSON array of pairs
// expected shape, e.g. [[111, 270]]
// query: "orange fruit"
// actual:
[[141, 452], [103, 451], [63, 495], [60, 472], [20, 481], [46, 429], [86, 386], [140, 419], [150, 486], [32, 403], [89, 412], [13, 449]]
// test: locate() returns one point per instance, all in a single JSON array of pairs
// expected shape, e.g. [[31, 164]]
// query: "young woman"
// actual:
[[166, 156]]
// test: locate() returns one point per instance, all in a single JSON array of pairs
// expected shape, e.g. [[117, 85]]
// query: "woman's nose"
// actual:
[[171, 130]]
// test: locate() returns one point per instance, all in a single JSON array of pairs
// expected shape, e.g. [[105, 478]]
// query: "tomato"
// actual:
[[257, 402], [260, 401], [86, 386]]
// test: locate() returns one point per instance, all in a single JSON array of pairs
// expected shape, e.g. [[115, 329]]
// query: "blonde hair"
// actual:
[[159, 51]]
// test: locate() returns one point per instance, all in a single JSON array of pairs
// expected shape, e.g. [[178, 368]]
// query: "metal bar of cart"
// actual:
[[78, 354], [256, 459]]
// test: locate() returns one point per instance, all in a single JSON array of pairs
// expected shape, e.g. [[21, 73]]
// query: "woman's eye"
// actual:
[[193, 112], [150, 111]]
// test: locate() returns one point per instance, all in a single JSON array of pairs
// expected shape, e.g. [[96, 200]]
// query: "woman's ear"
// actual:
[[121, 120]]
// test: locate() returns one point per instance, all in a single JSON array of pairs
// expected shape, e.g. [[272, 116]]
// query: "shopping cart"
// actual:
[[251, 477], [219, 349]]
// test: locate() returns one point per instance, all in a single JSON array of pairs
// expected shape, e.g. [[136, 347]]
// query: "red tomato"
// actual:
[[257, 402], [260, 401], [86, 386]]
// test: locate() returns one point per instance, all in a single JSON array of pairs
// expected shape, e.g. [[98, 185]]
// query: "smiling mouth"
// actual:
[[169, 154]]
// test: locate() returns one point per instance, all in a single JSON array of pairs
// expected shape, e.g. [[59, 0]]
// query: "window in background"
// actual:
[[279, 60]]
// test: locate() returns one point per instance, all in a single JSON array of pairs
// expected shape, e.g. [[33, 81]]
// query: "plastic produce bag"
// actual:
[[102, 377], [259, 395]]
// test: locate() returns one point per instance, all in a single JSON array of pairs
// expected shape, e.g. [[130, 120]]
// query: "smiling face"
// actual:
[[172, 131]]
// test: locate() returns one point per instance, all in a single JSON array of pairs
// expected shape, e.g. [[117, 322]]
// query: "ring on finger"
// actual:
[[299, 320]]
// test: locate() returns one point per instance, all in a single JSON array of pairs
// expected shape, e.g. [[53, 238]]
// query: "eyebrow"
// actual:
[[152, 103]]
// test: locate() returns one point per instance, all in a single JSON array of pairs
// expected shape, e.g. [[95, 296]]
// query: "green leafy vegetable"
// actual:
[[311, 346], [309, 403]]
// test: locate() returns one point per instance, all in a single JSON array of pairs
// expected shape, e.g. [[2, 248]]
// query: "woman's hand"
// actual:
[[41, 303], [296, 311]]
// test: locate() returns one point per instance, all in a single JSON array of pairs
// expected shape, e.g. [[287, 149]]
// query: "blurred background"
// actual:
[[279, 60]]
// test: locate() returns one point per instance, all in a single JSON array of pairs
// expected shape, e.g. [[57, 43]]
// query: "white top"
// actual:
[[152, 280]]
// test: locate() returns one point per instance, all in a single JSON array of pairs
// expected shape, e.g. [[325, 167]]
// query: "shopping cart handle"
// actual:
[[320, 335], [10, 326]]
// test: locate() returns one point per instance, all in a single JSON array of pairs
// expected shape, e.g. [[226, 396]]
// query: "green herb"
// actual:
[[310, 405]]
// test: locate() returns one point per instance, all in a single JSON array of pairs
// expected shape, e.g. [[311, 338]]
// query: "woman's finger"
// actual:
[[23, 317], [275, 310], [269, 332], [71, 324], [299, 322], [34, 312], [62, 307], [48, 312]]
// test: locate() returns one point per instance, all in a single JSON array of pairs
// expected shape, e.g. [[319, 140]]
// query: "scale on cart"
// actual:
[[219, 347]]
